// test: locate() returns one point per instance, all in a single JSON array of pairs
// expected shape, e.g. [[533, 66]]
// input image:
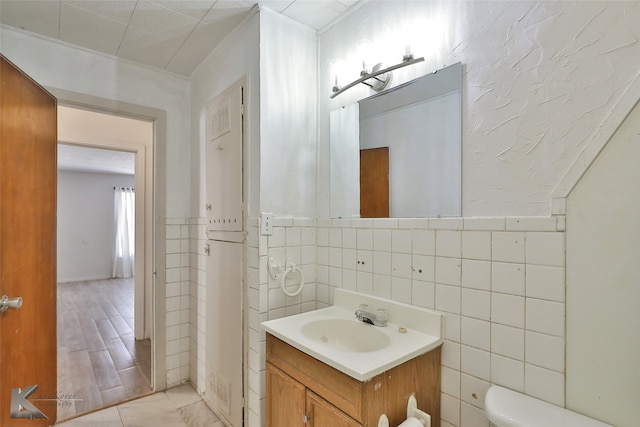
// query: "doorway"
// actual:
[[104, 323]]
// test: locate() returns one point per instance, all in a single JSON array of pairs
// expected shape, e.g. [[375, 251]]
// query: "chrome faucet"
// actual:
[[370, 318]]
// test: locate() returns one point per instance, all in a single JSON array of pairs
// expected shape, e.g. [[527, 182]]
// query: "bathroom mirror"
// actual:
[[400, 148]]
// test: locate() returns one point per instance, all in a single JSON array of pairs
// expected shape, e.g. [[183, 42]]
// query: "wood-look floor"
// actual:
[[99, 361]]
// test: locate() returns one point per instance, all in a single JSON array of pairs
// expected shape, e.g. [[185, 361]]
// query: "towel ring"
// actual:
[[283, 279]]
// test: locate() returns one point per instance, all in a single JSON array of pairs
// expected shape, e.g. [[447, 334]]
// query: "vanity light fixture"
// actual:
[[378, 78]]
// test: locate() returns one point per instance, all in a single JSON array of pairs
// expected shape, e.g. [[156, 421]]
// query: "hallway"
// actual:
[[99, 361]]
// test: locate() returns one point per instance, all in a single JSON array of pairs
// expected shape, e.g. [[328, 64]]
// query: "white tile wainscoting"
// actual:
[[177, 301], [499, 281]]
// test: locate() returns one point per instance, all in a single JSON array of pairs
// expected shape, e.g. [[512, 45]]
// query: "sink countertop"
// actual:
[[423, 334]]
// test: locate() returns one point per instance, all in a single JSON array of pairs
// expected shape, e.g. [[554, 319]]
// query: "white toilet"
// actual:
[[507, 408]]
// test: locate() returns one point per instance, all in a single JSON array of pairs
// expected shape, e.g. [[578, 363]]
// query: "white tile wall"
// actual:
[[476, 303], [476, 274], [545, 351], [507, 372], [499, 282], [545, 282], [178, 316], [476, 245], [507, 246], [197, 304], [258, 311], [297, 239]]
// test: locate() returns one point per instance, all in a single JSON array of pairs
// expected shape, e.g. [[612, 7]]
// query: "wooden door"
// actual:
[[323, 414], [28, 171], [285, 399], [374, 183]]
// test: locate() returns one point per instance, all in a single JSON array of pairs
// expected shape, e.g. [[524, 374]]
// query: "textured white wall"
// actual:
[[64, 67], [85, 224], [288, 116], [540, 80]]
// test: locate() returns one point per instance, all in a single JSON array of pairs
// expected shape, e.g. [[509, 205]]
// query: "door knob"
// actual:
[[6, 303]]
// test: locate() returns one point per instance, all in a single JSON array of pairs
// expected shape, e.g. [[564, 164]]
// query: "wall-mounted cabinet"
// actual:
[[303, 391]]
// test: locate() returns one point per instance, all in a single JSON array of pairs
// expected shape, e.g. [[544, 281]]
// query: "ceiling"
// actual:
[[172, 35], [86, 159]]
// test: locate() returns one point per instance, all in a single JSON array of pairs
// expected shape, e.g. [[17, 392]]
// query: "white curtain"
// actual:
[[124, 248]]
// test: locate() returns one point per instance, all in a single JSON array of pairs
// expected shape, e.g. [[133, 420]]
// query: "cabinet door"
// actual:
[[285, 399], [223, 153], [321, 413]]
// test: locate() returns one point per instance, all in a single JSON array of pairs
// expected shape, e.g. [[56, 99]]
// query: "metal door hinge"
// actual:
[[305, 420], [207, 249]]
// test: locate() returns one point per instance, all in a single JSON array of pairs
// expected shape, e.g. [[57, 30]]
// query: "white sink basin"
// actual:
[[362, 351], [346, 335]]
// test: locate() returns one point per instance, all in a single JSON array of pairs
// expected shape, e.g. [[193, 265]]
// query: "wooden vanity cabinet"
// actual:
[[322, 413], [302, 391], [285, 399]]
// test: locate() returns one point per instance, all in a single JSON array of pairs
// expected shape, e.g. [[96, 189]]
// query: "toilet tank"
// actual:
[[507, 408]]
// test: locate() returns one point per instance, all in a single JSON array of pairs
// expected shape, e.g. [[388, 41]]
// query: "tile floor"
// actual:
[[176, 407], [99, 360]]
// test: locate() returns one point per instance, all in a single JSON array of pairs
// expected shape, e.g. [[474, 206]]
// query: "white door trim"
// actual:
[[155, 206]]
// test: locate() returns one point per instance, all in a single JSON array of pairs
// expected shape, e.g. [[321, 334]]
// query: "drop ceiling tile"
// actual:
[[225, 10], [153, 18], [235, 4], [315, 13], [168, 34], [277, 5], [119, 11], [39, 17], [84, 28], [348, 3], [149, 49], [195, 9], [204, 39]]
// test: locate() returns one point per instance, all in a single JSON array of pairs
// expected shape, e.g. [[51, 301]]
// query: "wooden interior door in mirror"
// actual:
[[374, 183]]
